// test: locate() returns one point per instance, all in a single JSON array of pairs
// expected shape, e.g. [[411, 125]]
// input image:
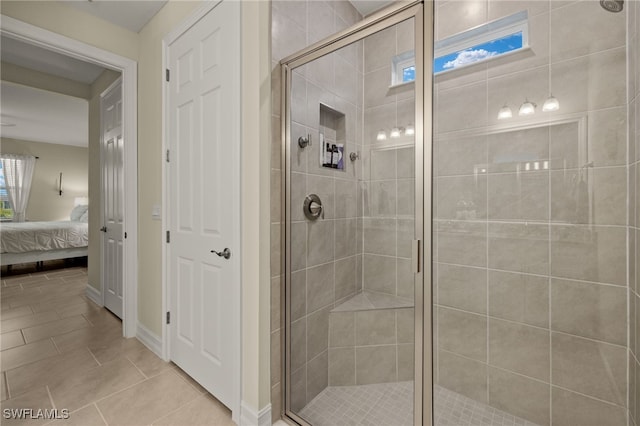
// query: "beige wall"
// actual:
[[255, 155], [68, 21], [45, 202], [95, 238], [44, 81]]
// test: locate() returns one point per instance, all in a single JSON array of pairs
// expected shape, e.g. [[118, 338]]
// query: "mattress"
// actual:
[[39, 236]]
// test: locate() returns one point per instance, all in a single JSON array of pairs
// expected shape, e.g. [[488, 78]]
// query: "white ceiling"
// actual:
[[36, 58], [129, 14], [43, 116], [367, 7]]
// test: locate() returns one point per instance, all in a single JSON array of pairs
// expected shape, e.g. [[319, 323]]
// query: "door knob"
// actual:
[[226, 253], [103, 229]]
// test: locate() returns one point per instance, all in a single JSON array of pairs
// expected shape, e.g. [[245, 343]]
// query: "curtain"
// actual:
[[18, 172]]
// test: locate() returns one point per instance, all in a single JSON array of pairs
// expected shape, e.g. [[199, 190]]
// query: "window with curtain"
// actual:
[[6, 212], [17, 173]]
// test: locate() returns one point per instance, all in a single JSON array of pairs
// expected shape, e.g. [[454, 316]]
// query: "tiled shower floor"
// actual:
[[391, 404]]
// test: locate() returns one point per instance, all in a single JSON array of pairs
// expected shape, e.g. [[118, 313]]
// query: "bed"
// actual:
[[23, 242]]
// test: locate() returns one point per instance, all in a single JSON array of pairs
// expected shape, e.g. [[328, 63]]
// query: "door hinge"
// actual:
[[167, 156], [168, 236], [167, 74], [168, 317], [125, 235]]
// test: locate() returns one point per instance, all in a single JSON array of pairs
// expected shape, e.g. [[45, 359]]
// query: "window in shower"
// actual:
[[489, 41]]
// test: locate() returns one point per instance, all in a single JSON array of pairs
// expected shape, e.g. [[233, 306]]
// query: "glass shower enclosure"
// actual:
[[461, 217], [354, 208]]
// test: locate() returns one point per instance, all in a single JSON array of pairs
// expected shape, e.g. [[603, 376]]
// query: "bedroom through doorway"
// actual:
[[52, 114]]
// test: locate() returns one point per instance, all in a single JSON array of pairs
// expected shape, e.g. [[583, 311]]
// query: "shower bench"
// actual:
[[371, 340]]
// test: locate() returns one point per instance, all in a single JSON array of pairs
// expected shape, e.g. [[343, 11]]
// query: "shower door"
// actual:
[[355, 215]]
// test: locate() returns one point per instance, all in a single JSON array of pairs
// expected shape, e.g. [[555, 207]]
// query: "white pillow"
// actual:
[[85, 217], [77, 212]]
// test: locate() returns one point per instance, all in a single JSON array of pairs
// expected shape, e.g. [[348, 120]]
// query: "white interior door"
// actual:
[[112, 150], [203, 181]]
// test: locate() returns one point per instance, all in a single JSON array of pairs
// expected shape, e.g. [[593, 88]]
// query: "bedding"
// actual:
[[41, 236]]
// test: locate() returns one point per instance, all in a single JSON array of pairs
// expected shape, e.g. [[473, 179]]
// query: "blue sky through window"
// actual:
[[409, 74], [478, 52]]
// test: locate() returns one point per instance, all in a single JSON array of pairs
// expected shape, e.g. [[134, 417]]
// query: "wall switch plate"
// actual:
[[156, 212]]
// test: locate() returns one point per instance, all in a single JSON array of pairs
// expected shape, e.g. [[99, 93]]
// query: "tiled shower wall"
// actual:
[[325, 252], [389, 175], [634, 208], [531, 311]]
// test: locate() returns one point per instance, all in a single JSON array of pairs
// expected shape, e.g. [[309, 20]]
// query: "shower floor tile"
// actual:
[[391, 404]]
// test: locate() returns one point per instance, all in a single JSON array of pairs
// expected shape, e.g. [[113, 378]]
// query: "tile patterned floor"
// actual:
[[60, 350], [391, 404]]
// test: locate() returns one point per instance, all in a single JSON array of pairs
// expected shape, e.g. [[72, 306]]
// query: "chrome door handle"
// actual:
[[226, 253], [103, 229]]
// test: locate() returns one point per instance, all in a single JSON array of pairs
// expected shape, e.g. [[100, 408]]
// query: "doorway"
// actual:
[[27, 33]]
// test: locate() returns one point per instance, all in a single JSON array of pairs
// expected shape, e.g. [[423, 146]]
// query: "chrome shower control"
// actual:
[[312, 207]]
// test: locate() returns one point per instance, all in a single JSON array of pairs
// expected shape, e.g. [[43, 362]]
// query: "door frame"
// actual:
[[178, 31], [128, 68], [422, 12]]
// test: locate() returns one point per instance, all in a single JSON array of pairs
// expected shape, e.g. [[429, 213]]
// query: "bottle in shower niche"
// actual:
[[334, 156], [340, 156], [327, 155]]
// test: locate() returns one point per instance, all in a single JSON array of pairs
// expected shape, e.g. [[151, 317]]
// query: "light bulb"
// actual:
[[395, 133], [410, 130], [382, 135], [551, 104], [505, 112], [527, 108]]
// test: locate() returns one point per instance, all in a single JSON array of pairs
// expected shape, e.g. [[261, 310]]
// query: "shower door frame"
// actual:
[[422, 12]]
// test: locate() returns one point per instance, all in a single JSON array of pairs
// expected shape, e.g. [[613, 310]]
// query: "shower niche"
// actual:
[[332, 137]]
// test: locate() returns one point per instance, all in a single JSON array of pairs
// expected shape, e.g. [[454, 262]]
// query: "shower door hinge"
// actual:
[[167, 156], [416, 254], [125, 235], [167, 74], [168, 317], [168, 236]]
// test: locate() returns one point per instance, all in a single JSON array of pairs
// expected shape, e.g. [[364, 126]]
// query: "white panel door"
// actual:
[[112, 151], [203, 180]]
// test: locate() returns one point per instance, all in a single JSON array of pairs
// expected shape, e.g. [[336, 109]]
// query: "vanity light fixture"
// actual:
[[382, 135], [410, 130], [551, 104], [395, 132], [527, 108], [505, 112]]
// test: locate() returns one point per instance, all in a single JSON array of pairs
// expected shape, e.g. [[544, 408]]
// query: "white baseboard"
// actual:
[[149, 339], [250, 417], [94, 295]]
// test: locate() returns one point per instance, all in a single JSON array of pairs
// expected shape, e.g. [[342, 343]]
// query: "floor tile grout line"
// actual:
[[95, 403], [53, 404], [94, 356], [189, 383], [138, 368], [200, 395]]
